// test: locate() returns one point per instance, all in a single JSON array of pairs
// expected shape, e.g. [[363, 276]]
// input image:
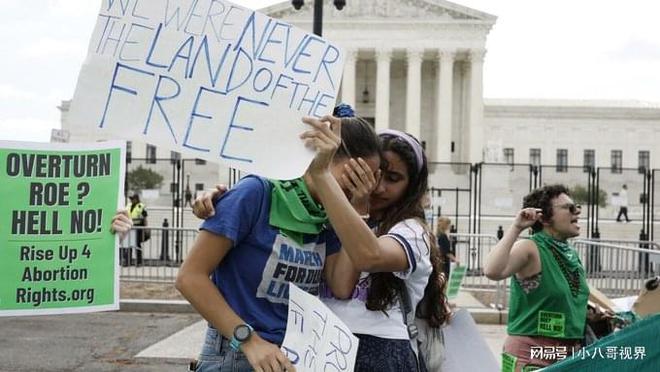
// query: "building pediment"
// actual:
[[426, 10]]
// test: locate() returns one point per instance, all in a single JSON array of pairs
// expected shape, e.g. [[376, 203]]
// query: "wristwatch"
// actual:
[[242, 333]]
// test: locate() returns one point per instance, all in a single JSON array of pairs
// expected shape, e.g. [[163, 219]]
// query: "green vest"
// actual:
[[558, 306], [136, 212]]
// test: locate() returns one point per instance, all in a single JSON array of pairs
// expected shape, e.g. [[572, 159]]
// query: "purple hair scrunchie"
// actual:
[[343, 110]]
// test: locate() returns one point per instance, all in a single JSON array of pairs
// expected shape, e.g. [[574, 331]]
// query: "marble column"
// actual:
[[443, 105], [414, 92], [476, 108], [383, 59], [348, 79]]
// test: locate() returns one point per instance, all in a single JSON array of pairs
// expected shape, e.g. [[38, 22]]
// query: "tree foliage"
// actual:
[[581, 196], [143, 178]]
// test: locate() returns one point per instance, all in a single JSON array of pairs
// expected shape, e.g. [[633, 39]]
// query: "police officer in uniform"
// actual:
[[138, 214]]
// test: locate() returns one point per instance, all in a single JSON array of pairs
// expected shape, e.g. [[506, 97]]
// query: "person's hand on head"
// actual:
[[360, 181], [264, 356], [121, 223], [325, 138], [527, 217], [203, 206]]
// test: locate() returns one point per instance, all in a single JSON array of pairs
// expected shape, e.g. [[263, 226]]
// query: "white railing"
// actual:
[[158, 259], [616, 267]]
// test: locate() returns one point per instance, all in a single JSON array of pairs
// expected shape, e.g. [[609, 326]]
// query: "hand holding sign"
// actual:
[[264, 356], [324, 138], [121, 223], [316, 339]]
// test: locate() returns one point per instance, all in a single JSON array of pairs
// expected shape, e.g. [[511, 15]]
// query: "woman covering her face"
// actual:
[[270, 233], [403, 258], [400, 259]]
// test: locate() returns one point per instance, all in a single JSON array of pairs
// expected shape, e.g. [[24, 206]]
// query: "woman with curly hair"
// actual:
[[549, 291]]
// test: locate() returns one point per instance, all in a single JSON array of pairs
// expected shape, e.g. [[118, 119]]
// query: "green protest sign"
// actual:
[[57, 254], [456, 276]]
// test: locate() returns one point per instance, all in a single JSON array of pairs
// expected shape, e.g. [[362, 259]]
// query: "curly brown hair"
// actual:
[[542, 198], [385, 288]]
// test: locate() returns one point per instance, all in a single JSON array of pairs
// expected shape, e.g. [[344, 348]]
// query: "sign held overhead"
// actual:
[[208, 78]]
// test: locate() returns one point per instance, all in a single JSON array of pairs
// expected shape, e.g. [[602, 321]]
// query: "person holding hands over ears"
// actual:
[[549, 291]]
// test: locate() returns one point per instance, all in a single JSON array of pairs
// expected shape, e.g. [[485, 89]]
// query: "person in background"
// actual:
[[188, 196], [138, 213], [447, 250], [549, 292], [623, 204]]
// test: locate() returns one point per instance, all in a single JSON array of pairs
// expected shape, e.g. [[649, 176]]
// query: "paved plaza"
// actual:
[[118, 341]]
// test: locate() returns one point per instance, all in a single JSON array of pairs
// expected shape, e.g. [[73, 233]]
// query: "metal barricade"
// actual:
[[157, 259], [615, 267], [618, 267], [471, 251]]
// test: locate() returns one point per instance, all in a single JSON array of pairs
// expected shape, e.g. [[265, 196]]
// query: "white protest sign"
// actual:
[[207, 78], [465, 348], [316, 339]]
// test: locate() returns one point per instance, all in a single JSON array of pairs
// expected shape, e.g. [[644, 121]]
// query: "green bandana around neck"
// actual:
[[294, 211], [567, 259]]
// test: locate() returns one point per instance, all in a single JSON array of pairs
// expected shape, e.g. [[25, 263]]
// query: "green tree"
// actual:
[[143, 178], [581, 196]]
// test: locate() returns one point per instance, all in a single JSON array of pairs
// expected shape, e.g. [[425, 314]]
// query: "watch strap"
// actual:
[[235, 343]]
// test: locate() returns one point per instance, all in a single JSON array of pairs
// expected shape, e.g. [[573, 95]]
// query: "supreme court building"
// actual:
[[417, 66], [412, 65]]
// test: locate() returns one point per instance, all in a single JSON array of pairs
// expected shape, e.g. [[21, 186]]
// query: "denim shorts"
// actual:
[[217, 355]]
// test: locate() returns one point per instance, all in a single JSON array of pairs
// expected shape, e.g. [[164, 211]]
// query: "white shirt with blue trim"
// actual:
[[415, 241]]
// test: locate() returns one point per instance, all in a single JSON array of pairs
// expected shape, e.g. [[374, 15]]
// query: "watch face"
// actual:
[[242, 332]]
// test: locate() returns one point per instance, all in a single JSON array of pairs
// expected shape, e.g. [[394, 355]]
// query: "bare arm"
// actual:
[[340, 274], [195, 285], [508, 257]]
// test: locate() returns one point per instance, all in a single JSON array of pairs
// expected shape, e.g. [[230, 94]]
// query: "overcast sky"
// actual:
[[567, 49]]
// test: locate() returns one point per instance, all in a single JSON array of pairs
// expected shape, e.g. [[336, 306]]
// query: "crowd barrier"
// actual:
[[616, 267]]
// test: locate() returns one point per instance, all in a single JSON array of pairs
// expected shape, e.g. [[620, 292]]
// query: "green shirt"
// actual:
[[558, 306]]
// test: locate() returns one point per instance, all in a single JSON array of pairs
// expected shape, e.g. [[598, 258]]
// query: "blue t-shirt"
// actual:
[[254, 276]]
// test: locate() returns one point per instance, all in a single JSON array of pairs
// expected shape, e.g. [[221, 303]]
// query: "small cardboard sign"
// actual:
[[316, 339], [456, 276], [465, 348]]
